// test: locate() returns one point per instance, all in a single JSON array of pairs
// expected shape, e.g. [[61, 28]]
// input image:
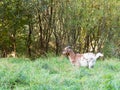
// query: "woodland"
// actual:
[[35, 28]]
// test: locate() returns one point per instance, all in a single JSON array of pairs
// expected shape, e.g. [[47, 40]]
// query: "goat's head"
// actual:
[[100, 54], [67, 50]]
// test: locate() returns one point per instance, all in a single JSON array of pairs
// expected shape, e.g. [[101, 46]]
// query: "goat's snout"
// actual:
[[66, 50]]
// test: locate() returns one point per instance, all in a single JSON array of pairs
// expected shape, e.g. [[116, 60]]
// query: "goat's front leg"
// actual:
[[76, 64]]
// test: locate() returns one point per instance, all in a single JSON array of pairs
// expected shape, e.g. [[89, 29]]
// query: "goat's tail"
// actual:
[[98, 55]]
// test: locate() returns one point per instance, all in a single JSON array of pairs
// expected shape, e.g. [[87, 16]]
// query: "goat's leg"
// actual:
[[90, 65]]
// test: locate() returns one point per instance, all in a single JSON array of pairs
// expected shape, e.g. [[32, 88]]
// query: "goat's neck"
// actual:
[[72, 56], [97, 56]]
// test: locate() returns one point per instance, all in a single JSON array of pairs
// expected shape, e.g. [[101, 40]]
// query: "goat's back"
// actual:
[[89, 55], [79, 55]]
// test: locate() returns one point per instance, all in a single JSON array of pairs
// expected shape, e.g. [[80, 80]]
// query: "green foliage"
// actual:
[[35, 27], [56, 73]]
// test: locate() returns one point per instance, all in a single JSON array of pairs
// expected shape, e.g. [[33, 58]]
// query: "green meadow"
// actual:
[[56, 73]]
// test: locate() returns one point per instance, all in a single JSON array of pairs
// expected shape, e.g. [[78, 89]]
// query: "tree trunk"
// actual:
[[13, 40], [40, 32], [29, 40]]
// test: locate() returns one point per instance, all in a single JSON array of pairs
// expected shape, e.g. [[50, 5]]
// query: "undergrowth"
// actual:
[[56, 73]]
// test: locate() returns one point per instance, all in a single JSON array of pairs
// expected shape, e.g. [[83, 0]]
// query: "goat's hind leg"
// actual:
[[90, 65]]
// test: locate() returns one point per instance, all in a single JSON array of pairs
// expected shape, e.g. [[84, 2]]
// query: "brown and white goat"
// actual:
[[86, 59]]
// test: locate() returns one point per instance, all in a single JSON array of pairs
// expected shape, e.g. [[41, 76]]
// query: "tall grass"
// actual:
[[56, 73]]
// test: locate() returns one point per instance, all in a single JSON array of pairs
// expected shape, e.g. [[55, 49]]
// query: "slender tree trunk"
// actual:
[[4, 53], [57, 45], [29, 40], [49, 31], [40, 32], [13, 40], [86, 47]]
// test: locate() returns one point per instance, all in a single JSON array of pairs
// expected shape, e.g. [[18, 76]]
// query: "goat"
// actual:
[[86, 59]]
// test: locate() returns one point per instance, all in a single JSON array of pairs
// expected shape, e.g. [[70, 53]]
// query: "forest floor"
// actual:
[[56, 73]]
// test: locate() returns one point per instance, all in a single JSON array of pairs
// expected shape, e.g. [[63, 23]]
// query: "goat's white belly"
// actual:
[[83, 63]]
